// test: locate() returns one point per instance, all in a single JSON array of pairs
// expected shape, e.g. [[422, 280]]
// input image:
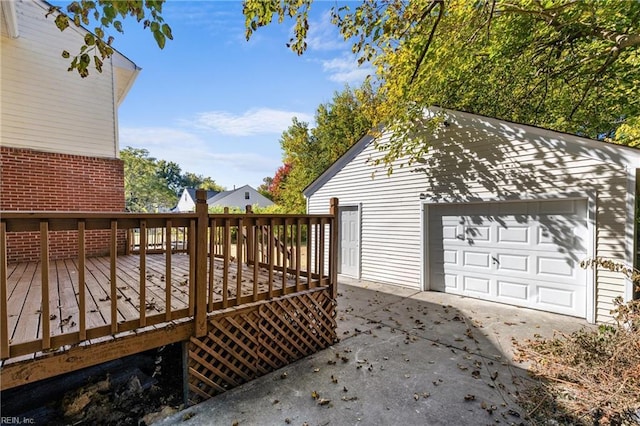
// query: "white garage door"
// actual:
[[520, 253]]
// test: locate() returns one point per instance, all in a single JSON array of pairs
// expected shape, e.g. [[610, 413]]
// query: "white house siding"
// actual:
[[36, 84], [477, 158], [236, 198], [390, 225]]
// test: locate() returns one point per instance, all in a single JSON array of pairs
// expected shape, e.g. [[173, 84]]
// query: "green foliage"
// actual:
[[307, 152], [145, 190], [273, 209], [106, 14], [566, 65], [153, 185], [192, 180], [263, 189]]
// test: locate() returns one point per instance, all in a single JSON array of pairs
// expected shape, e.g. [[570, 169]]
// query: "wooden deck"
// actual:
[[59, 314], [24, 292]]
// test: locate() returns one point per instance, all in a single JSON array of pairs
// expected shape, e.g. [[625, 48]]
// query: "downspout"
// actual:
[[635, 292], [11, 18]]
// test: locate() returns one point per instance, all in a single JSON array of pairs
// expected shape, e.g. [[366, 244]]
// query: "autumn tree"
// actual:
[[562, 64], [307, 152]]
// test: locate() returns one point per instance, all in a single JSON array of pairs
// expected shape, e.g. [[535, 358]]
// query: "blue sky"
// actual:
[[217, 104]]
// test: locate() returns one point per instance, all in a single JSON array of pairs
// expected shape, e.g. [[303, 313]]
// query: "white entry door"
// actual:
[[349, 241], [520, 253]]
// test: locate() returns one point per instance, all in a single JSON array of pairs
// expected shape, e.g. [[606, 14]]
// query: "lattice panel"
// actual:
[[226, 357], [293, 328], [244, 345]]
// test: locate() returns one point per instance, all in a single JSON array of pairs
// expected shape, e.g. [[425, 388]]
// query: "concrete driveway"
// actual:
[[405, 358]]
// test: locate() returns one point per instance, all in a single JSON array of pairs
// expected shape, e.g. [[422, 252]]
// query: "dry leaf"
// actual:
[[323, 401]]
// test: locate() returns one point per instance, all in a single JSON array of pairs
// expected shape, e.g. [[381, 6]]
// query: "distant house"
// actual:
[[238, 198], [187, 202], [59, 135], [495, 210]]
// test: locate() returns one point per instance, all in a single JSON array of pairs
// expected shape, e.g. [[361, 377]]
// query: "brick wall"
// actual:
[[41, 181]]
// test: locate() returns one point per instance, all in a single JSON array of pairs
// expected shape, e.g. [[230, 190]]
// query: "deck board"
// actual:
[[24, 289]]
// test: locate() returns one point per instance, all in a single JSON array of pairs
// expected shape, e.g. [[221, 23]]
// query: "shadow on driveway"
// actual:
[[404, 358]]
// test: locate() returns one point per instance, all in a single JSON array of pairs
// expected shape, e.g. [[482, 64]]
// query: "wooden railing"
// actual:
[[233, 259]]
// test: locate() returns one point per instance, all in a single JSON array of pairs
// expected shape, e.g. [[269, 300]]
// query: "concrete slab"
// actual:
[[405, 357]]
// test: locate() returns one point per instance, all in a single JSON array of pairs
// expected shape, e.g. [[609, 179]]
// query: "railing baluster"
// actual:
[[239, 249], [226, 252], [250, 240], [323, 233], [309, 251], [143, 273], [44, 280], [271, 255], [254, 231], [167, 270], [82, 304], [298, 252], [212, 263], [114, 276], [4, 326]]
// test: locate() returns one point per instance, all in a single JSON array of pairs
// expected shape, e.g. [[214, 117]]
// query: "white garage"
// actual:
[[520, 253], [495, 210]]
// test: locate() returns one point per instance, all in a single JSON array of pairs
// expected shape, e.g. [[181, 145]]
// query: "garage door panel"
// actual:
[[513, 263], [556, 297], [478, 285], [516, 292], [554, 267], [476, 259], [515, 234], [522, 253]]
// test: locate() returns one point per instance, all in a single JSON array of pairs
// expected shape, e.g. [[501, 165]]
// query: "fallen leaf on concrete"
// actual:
[[315, 395], [323, 401], [349, 398]]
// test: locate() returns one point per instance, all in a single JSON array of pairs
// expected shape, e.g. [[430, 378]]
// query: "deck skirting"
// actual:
[[248, 342]]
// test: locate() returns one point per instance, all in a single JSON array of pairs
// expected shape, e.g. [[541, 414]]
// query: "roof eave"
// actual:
[[131, 71]]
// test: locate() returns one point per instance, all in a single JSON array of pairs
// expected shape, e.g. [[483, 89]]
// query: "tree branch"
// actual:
[[433, 30]]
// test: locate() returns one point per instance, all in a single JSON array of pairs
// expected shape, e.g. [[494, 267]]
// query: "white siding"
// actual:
[[474, 159], [390, 234], [45, 107]]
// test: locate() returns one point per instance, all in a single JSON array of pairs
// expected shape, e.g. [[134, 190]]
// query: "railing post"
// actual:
[[202, 211], [333, 248]]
